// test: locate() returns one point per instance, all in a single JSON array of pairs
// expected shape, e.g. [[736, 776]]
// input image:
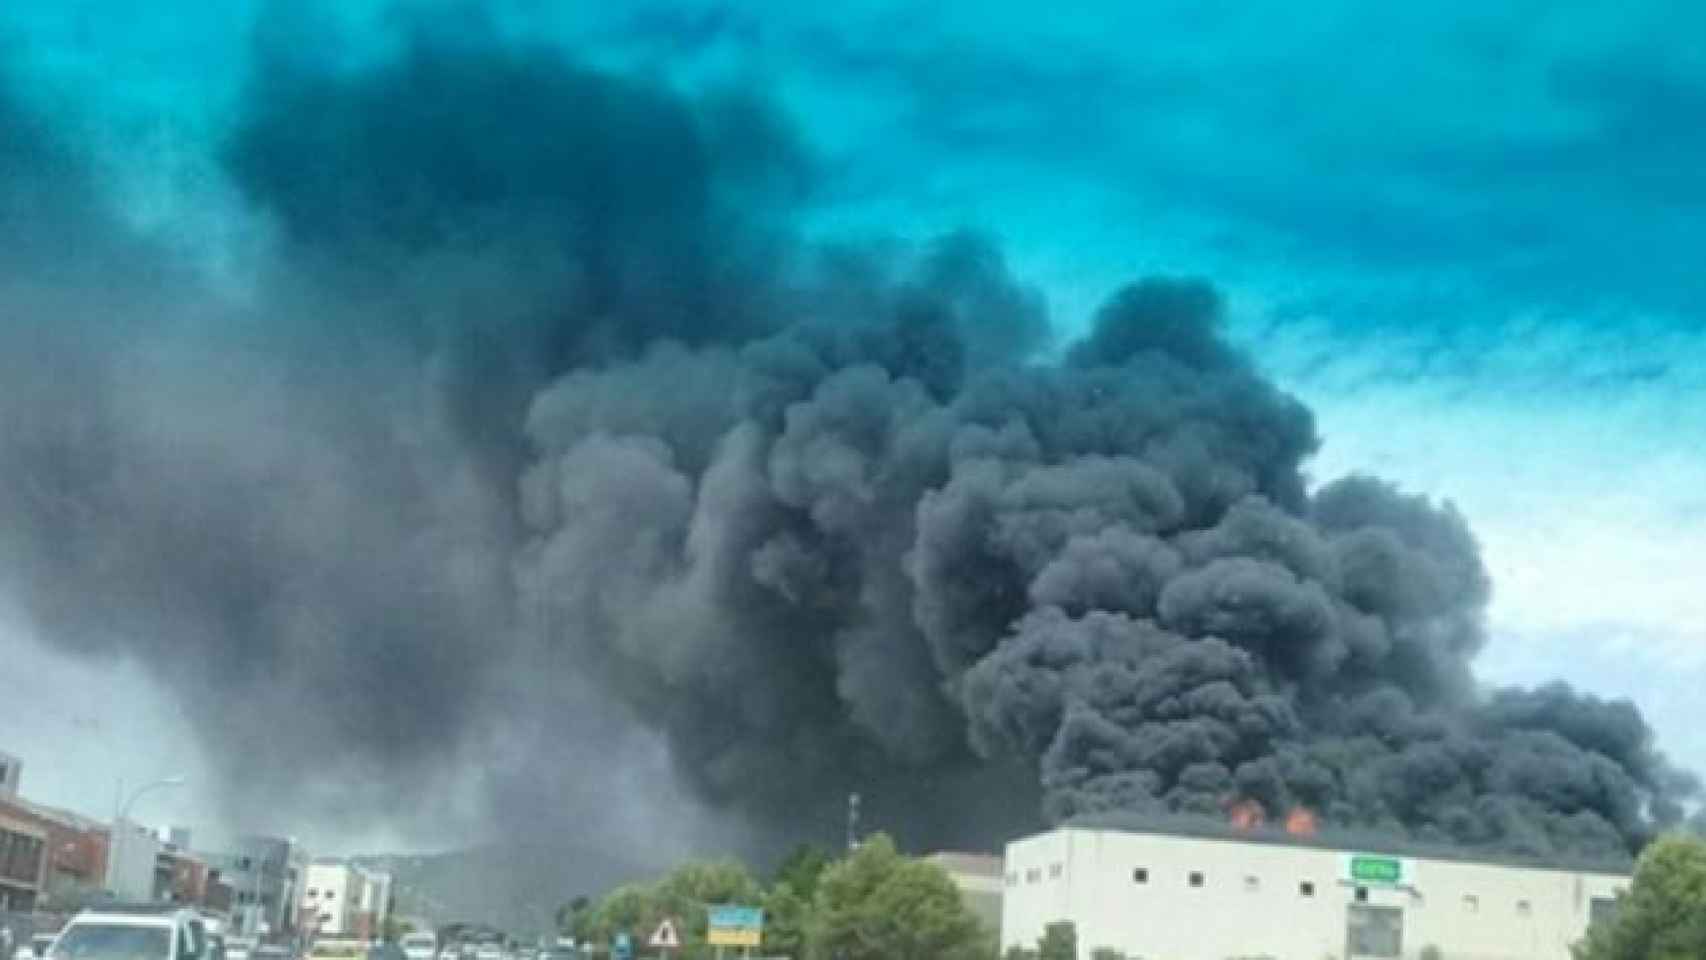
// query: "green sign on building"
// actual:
[[1369, 869]]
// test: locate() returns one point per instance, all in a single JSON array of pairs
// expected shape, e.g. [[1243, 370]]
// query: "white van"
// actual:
[[134, 933]]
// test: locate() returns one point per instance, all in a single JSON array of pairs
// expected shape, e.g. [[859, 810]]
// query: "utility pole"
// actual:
[[255, 908], [114, 841], [852, 822]]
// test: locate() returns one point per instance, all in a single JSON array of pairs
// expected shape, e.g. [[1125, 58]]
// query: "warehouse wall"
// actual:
[[1211, 899]]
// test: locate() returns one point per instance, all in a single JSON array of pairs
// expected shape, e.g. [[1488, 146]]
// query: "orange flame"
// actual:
[[1301, 822], [1246, 815]]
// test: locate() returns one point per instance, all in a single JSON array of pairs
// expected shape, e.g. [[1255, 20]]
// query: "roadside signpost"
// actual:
[[664, 937], [734, 926], [622, 947]]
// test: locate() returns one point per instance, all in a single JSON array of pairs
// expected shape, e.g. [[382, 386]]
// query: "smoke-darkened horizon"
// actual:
[[544, 438]]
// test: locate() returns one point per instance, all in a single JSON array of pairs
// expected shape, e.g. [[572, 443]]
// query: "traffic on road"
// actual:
[[148, 931]]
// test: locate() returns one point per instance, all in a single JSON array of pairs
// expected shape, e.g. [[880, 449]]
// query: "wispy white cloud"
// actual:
[[1567, 446], [1578, 476]]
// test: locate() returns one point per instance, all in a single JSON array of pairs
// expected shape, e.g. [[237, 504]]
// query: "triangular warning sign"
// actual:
[[664, 936]]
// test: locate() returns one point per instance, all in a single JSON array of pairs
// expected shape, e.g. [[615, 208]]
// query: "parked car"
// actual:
[[35, 948], [337, 949], [421, 945]]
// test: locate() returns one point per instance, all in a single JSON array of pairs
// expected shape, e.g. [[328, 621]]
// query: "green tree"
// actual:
[[801, 870], [681, 896], [879, 905], [1107, 953], [1663, 916], [574, 917], [1059, 942], [624, 909], [688, 889], [786, 917], [1016, 952]]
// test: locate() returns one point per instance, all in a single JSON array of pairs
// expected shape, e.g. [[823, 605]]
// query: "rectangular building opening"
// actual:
[[1196, 878], [1374, 931], [1140, 875], [1305, 888]]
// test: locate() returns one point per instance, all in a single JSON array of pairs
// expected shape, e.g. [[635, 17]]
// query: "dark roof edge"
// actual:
[[1346, 841]]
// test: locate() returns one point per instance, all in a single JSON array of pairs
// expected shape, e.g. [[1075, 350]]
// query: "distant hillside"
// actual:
[[515, 887]]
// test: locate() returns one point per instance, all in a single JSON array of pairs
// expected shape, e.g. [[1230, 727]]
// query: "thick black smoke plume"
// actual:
[[1109, 567], [542, 431]]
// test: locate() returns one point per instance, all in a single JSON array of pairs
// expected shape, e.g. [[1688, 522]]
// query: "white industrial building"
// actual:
[[331, 898], [134, 869], [375, 902], [341, 899], [1167, 895]]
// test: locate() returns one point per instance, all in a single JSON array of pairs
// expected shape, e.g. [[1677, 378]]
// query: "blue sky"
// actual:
[[1470, 238]]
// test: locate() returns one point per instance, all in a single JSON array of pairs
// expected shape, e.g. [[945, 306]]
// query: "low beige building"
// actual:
[[978, 875], [1169, 896]]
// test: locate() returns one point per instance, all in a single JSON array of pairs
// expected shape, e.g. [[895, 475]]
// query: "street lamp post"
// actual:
[[254, 913], [116, 853]]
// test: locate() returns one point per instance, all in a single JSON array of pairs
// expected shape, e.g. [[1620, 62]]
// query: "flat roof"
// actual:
[[1340, 839], [69, 819], [970, 864], [146, 915]]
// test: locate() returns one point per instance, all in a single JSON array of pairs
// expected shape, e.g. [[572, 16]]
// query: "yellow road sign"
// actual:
[[733, 936]]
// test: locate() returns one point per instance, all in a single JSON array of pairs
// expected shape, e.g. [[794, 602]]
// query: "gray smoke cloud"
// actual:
[[543, 440]]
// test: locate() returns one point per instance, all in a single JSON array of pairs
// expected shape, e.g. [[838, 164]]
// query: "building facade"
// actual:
[[190, 877], [1155, 894], [978, 876], [137, 868], [331, 893], [266, 877], [74, 855], [23, 864], [11, 773], [342, 899], [375, 905]]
